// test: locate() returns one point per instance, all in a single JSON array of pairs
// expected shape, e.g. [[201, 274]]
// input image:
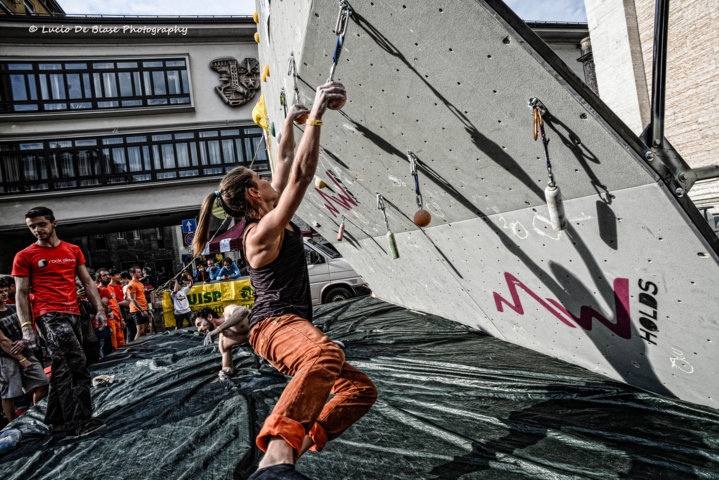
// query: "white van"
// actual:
[[332, 279]]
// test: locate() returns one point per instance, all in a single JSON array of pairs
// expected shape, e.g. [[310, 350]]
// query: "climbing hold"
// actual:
[[283, 100], [555, 205], [265, 73], [422, 218], [259, 113], [390, 236], [301, 119], [272, 129], [392, 245], [341, 230], [319, 183], [256, 17], [336, 104], [257, 37]]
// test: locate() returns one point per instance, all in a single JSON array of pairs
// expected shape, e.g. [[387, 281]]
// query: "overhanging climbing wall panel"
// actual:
[[451, 82]]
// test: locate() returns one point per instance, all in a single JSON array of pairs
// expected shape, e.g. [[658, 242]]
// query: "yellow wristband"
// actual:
[[23, 359], [219, 329], [314, 122], [26, 323]]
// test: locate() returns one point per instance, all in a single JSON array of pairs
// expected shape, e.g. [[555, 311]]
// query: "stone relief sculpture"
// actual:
[[239, 80]]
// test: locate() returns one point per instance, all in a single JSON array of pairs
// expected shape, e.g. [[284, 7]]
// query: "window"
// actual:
[[62, 164], [100, 242], [62, 86], [29, 8]]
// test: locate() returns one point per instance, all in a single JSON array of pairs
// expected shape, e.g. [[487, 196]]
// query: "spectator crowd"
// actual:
[[128, 297]]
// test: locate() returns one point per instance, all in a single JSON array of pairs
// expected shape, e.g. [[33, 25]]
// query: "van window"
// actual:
[[312, 257], [326, 248]]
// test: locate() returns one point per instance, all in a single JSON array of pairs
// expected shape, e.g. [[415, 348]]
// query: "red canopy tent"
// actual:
[[227, 241], [231, 239]]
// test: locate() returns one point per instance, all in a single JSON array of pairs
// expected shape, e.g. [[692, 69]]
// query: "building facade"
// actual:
[[622, 34], [31, 7], [122, 125]]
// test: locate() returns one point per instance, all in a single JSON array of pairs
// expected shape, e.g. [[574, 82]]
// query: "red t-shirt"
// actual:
[[117, 289], [52, 273]]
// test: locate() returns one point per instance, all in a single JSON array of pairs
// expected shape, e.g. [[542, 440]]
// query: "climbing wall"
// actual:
[[438, 116]]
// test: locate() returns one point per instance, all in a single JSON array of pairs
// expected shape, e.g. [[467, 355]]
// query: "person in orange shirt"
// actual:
[[138, 302], [115, 321], [116, 286]]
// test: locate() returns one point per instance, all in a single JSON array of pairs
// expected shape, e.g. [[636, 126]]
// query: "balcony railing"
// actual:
[[76, 163]]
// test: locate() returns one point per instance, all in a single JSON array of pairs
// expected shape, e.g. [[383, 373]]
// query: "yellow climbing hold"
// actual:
[[259, 113], [265, 73], [256, 17], [257, 37]]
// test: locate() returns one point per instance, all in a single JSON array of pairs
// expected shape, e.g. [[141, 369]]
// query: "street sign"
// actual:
[[189, 237], [189, 225]]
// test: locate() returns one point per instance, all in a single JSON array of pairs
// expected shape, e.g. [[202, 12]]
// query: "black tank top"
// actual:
[[282, 286]]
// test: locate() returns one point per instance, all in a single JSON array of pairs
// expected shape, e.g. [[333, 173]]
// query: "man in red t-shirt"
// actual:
[[46, 270], [138, 303]]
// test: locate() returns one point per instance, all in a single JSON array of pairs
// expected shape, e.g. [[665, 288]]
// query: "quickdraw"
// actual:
[[340, 30], [413, 169], [390, 236], [292, 71], [552, 194], [283, 100], [537, 106], [422, 218]]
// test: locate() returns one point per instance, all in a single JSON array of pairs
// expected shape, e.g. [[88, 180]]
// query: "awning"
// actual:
[[230, 240]]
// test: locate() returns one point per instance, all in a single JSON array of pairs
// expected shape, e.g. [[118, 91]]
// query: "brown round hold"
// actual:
[[302, 119], [422, 218], [336, 104]]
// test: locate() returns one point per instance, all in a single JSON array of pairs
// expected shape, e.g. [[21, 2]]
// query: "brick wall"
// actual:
[[692, 87]]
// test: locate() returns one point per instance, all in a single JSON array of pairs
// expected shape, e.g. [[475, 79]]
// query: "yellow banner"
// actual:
[[213, 295]]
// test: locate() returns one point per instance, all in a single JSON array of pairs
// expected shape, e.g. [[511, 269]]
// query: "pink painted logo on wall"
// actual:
[[340, 198], [620, 326]]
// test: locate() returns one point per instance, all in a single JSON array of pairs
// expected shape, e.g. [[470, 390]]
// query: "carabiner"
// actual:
[[413, 169], [343, 18], [292, 70], [340, 30], [380, 206]]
